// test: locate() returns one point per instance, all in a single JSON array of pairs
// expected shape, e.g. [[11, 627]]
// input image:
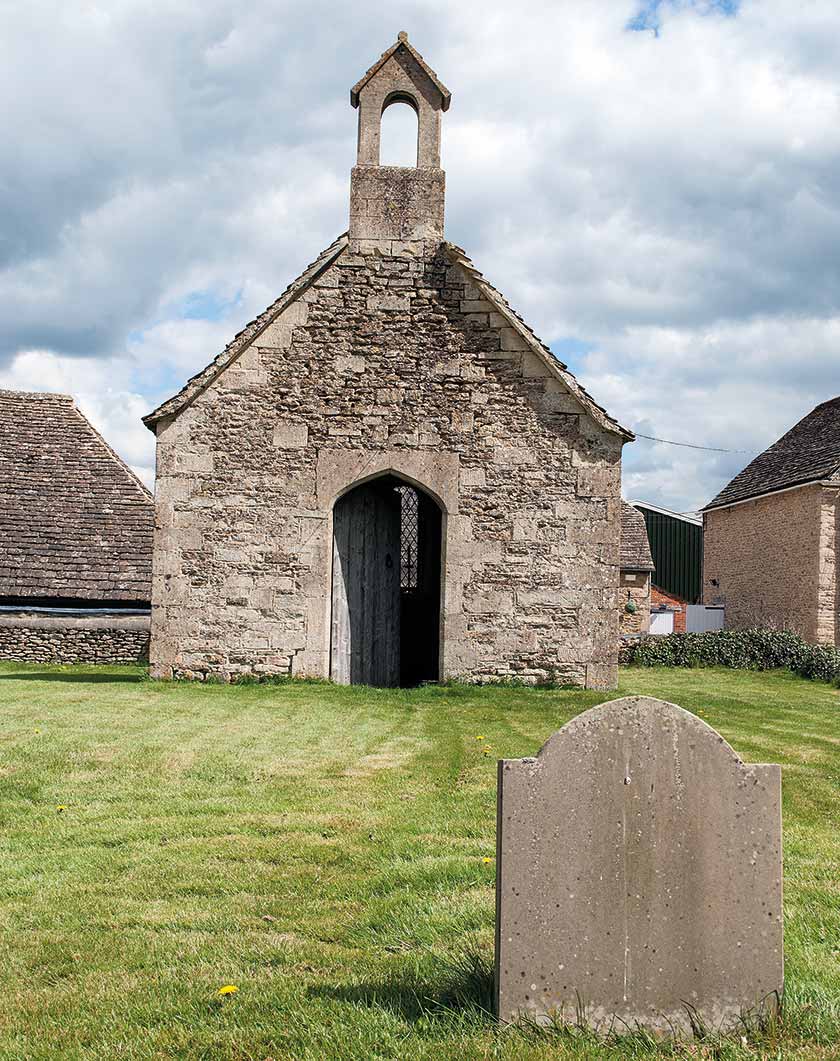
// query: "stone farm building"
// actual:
[[76, 529], [636, 570], [387, 477], [771, 535]]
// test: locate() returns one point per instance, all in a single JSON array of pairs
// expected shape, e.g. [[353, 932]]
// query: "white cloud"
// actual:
[[672, 200]]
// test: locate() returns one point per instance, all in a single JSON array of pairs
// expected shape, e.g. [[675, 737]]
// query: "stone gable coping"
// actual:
[[558, 369], [402, 42], [243, 339]]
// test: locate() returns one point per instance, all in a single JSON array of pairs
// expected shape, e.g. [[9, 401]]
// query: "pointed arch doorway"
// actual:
[[386, 585]]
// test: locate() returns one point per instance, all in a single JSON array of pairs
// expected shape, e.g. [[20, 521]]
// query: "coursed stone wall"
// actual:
[[391, 361], [771, 562], [634, 586], [61, 639]]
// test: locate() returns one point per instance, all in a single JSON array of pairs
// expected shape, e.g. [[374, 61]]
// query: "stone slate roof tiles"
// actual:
[[75, 522], [810, 451], [635, 548]]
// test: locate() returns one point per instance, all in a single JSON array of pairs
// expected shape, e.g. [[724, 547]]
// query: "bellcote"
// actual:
[[398, 202]]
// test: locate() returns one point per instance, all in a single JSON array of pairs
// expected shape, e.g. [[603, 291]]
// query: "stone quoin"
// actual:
[[387, 477]]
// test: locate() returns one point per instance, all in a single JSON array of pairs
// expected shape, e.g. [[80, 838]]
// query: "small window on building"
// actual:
[[409, 537]]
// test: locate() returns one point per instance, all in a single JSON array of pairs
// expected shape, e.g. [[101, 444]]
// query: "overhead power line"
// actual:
[[691, 445]]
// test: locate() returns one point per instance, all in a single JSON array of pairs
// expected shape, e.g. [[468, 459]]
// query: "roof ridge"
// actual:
[[38, 395], [198, 383], [808, 452], [76, 521], [568, 378]]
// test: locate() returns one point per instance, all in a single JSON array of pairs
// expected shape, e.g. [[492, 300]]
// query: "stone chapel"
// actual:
[[387, 478]]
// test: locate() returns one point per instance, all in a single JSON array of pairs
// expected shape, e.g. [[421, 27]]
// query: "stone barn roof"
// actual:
[[635, 547], [75, 522], [809, 452]]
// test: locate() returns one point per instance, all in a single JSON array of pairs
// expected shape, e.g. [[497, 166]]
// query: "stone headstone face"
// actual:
[[639, 875]]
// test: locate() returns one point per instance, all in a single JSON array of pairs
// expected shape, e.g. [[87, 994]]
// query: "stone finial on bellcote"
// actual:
[[397, 202]]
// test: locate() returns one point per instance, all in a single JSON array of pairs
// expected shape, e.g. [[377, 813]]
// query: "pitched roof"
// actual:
[[74, 519], [635, 547], [810, 451], [237, 346], [402, 42]]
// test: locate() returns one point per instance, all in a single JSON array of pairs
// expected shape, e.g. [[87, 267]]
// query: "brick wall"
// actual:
[[771, 562], [677, 604], [63, 639]]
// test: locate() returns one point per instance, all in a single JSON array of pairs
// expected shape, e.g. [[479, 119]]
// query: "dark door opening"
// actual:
[[386, 585]]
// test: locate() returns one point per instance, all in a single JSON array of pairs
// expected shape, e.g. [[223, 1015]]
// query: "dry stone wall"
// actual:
[[391, 361], [39, 639]]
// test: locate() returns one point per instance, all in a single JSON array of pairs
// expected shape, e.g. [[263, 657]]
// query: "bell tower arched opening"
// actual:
[[399, 132]]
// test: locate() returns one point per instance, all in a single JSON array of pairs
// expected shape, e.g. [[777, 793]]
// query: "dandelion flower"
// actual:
[[228, 989], [479, 737], [61, 807], [486, 860]]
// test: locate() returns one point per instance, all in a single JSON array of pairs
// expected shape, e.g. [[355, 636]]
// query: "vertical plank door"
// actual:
[[365, 636]]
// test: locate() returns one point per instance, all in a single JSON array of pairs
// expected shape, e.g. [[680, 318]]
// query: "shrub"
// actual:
[[740, 649]]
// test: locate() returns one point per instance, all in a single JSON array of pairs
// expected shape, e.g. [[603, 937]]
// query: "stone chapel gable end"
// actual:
[[386, 477]]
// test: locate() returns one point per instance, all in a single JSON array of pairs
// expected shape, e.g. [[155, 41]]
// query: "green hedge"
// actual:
[[742, 649]]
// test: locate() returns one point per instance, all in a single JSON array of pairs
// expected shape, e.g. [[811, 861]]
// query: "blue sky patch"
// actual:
[[208, 306], [571, 351], [649, 13]]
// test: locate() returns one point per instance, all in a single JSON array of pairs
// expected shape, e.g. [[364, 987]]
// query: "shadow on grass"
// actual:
[[466, 984], [69, 676]]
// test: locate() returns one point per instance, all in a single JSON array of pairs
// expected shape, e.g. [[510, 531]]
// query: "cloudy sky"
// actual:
[[654, 184]]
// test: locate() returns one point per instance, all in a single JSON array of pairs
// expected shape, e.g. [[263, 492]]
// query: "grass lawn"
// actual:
[[324, 849]]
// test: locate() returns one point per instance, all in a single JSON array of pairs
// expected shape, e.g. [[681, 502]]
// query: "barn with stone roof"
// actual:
[[387, 478], [76, 528], [770, 539]]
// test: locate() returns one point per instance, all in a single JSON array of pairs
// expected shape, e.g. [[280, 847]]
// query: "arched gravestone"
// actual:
[[639, 875]]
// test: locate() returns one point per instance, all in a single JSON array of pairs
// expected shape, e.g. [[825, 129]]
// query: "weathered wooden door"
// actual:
[[365, 647]]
